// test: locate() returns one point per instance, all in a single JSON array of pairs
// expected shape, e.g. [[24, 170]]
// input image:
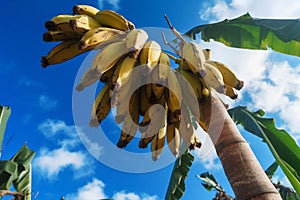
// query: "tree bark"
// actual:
[[245, 175]]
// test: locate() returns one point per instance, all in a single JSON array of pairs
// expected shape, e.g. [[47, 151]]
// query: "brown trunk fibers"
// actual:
[[247, 178]]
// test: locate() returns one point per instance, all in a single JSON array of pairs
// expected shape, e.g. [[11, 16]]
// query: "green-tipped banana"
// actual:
[[110, 18], [85, 10], [194, 57], [229, 76], [101, 107], [98, 36]]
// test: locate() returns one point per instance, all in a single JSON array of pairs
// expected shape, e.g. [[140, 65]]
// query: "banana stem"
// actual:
[[169, 44], [174, 30]]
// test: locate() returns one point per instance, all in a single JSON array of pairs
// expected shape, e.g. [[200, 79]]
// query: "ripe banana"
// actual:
[[62, 52], [195, 58], [135, 40], [174, 95], [206, 54], [144, 102], [85, 10], [229, 76], [125, 72], [187, 131], [101, 107], [158, 141], [61, 22], [97, 36], [163, 67], [158, 90], [83, 24], [173, 139], [230, 92], [149, 56], [55, 36], [103, 61], [214, 78], [110, 18]]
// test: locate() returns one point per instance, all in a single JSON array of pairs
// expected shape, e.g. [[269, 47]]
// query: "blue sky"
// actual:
[[41, 99]]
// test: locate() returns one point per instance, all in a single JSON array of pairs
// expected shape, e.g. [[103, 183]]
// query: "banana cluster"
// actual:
[[165, 106]]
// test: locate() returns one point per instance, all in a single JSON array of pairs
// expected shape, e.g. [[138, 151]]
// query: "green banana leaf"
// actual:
[[209, 182], [23, 182], [181, 168], [8, 173], [4, 115], [281, 35], [270, 171], [282, 145]]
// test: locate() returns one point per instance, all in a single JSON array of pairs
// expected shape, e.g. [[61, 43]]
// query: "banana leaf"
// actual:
[[270, 171], [281, 35], [181, 168], [282, 145], [209, 182], [8, 173], [4, 115]]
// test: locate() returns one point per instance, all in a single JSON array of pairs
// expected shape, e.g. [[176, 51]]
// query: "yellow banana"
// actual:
[[83, 24], [214, 78], [144, 100], [97, 36], [229, 76], [125, 72], [135, 40], [103, 61], [206, 54], [173, 139], [163, 67], [130, 123], [158, 90], [158, 141], [85, 10], [110, 18], [62, 52], [187, 131], [149, 55], [101, 107], [230, 92], [174, 94], [55, 36], [61, 22], [195, 58]]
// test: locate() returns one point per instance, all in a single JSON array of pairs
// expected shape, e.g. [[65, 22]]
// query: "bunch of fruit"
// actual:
[[126, 58]]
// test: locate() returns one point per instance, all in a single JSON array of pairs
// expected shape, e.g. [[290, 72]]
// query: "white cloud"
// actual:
[[49, 163], [93, 190], [222, 9], [113, 3], [47, 103]]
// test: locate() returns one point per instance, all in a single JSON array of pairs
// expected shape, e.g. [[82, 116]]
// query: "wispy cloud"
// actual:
[[114, 3], [47, 103], [95, 190], [222, 9]]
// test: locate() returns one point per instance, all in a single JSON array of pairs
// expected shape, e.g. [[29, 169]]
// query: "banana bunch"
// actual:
[[166, 108], [86, 29]]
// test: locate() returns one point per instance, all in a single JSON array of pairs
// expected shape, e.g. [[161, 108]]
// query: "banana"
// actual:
[[125, 72], [83, 24], [158, 141], [230, 92], [85, 10], [130, 124], [62, 52], [144, 101], [174, 95], [101, 107], [173, 139], [229, 76], [135, 40], [110, 18], [158, 90], [61, 22], [187, 131], [195, 58], [163, 67], [97, 36], [55, 36], [214, 78], [191, 90], [206, 54], [103, 61], [149, 56]]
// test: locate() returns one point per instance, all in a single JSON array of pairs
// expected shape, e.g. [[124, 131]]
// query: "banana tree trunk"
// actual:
[[246, 176]]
